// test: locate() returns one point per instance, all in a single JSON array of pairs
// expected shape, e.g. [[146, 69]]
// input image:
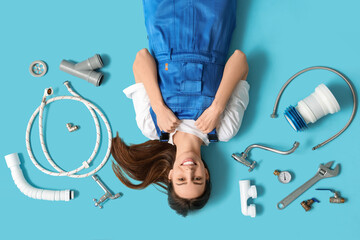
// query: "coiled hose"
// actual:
[[86, 164]]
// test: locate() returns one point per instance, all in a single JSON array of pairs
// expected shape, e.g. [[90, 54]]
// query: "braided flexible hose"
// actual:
[[85, 164], [274, 115]]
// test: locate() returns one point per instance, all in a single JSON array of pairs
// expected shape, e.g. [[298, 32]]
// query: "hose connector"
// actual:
[[47, 92]]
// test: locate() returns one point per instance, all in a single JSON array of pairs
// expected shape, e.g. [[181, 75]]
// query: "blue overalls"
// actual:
[[189, 40]]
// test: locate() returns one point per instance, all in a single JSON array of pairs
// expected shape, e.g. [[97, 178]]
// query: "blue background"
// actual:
[[279, 38]]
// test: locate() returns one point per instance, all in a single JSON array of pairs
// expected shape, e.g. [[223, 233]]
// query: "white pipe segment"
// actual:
[[319, 104], [13, 162]]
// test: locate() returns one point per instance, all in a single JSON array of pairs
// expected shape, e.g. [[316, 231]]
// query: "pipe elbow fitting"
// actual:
[[246, 192]]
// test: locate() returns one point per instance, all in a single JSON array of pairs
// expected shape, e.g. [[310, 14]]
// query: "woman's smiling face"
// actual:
[[188, 175]]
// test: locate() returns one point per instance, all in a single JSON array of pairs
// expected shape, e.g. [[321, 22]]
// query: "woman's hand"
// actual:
[[209, 119], [166, 119], [145, 71], [236, 69]]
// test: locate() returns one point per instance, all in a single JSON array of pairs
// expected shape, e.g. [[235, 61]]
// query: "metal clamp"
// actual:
[[251, 164], [108, 194]]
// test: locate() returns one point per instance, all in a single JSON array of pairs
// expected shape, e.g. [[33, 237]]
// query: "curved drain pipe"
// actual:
[[13, 162]]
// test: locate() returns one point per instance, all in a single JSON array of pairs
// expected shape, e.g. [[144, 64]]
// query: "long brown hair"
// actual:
[[150, 163]]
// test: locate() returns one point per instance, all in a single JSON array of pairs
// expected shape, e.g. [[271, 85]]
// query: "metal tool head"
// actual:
[[325, 171]]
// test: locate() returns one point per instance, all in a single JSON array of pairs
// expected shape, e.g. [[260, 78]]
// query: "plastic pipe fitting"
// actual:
[[85, 69], [13, 162], [319, 104], [246, 192]]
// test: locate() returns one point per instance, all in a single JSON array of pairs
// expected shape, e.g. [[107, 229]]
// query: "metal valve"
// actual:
[[106, 196], [336, 198], [307, 204]]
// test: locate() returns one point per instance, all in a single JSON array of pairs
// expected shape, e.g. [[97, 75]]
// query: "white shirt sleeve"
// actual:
[[232, 116], [141, 102]]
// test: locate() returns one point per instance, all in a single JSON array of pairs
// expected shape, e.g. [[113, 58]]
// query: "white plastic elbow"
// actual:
[[13, 162], [246, 192]]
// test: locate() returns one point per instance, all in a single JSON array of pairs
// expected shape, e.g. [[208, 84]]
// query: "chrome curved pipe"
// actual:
[[241, 158], [248, 149]]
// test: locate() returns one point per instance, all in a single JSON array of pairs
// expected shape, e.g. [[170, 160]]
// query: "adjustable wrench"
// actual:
[[324, 171]]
